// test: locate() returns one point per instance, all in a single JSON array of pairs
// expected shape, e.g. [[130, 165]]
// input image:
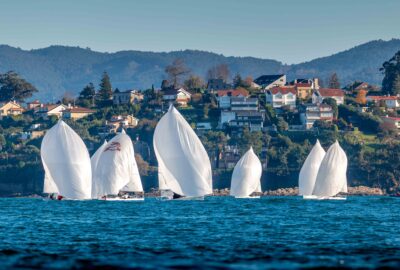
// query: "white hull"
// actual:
[[123, 199], [313, 197], [247, 197], [199, 198]]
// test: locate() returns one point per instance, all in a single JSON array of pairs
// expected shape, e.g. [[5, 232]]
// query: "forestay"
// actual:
[[246, 175], [66, 163], [183, 163], [116, 168], [309, 171], [331, 178]]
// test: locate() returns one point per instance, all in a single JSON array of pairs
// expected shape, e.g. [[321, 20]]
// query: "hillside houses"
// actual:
[[280, 96], [224, 96], [323, 93], [309, 113], [10, 108], [179, 96], [127, 97], [391, 102], [266, 82]]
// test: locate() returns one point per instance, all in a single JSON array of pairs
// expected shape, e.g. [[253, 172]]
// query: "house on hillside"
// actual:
[[319, 95], [124, 121], [33, 104], [309, 113], [224, 96], [47, 110], [179, 96], [77, 112], [127, 97], [269, 81], [244, 104], [281, 96], [391, 102], [253, 120], [10, 108]]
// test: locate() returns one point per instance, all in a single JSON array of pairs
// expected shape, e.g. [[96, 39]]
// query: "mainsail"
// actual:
[[309, 171], [246, 175], [331, 178], [116, 168], [66, 163], [183, 163]]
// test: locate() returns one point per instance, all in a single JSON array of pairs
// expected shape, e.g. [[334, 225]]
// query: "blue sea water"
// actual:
[[272, 232]]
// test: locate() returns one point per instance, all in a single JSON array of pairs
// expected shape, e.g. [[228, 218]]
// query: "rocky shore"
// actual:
[[352, 191]]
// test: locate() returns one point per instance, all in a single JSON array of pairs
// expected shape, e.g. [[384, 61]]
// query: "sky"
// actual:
[[291, 31]]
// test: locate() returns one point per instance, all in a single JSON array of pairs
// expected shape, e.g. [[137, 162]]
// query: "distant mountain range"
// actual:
[[59, 69]]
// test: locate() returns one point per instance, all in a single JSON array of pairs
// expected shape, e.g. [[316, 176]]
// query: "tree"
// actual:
[[396, 85], [332, 102], [391, 70], [194, 83], [105, 91], [282, 125], [220, 71], [361, 97], [87, 94], [334, 81], [238, 81], [176, 71], [13, 87]]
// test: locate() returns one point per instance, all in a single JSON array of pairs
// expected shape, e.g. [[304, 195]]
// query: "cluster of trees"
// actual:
[[14, 87], [391, 70]]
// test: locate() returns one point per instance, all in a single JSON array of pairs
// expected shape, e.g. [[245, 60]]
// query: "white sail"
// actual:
[[331, 178], [183, 164], [246, 175], [116, 168], [66, 163], [309, 171], [96, 156]]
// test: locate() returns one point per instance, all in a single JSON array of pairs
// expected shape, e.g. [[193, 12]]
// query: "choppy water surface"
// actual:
[[215, 233]]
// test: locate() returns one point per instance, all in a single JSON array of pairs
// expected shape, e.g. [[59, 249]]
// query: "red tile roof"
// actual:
[[283, 90], [233, 92], [331, 92], [80, 110], [378, 98]]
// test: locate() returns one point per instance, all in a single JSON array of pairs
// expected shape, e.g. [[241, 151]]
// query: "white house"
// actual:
[[391, 102], [50, 109], [180, 96], [269, 81], [314, 112], [281, 96], [224, 97], [319, 95], [127, 97]]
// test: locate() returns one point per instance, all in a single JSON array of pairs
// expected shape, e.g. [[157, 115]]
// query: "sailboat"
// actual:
[[96, 156], [66, 163], [246, 176], [184, 168], [116, 175], [309, 171], [331, 178]]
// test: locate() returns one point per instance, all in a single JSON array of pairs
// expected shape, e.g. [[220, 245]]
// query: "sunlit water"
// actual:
[[284, 232]]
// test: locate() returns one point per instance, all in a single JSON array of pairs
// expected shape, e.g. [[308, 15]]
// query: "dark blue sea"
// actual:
[[272, 232]]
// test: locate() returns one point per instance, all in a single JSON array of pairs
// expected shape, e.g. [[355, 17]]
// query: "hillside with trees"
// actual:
[[57, 70]]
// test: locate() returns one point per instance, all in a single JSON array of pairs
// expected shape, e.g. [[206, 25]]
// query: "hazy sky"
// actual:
[[289, 31]]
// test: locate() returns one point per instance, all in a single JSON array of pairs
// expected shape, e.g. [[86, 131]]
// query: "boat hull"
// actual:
[[313, 197], [247, 197]]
